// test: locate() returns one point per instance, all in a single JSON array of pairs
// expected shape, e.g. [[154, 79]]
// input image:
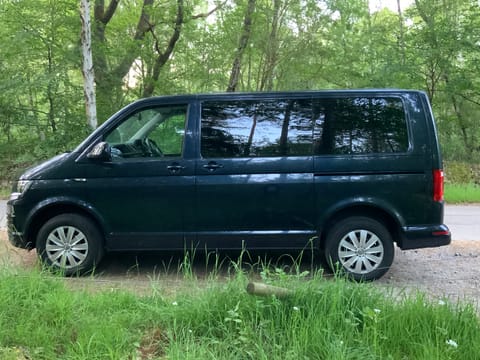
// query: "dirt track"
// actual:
[[448, 272]]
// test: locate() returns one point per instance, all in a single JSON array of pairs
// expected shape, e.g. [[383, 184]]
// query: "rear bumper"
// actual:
[[417, 237]]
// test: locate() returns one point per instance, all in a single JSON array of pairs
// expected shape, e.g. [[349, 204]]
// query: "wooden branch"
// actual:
[[98, 10], [259, 289], [110, 11], [144, 24], [165, 55], [468, 99], [207, 14]]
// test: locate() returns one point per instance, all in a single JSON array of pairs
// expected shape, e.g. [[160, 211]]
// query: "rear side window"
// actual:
[[360, 125], [267, 128]]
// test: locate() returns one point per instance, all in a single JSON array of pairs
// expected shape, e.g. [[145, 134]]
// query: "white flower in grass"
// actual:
[[452, 343], [441, 302], [174, 303], [296, 308], [377, 311]]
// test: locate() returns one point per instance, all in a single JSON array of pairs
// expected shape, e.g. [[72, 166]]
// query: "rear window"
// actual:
[[269, 128]]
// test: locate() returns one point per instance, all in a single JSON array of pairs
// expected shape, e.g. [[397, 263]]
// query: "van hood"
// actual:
[[44, 169]]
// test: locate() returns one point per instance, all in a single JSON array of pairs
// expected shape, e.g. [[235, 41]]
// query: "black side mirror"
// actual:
[[101, 152]]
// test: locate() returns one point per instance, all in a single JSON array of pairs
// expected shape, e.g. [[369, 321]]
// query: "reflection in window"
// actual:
[[360, 126], [256, 128], [347, 125]]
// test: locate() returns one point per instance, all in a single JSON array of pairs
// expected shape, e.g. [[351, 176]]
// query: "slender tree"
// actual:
[[164, 54], [87, 64], [242, 44]]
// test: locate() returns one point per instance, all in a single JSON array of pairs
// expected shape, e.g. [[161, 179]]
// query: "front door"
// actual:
[[146, 192]]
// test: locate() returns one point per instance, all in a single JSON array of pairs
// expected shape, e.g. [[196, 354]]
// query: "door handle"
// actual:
[[175, 168], [212, 166]]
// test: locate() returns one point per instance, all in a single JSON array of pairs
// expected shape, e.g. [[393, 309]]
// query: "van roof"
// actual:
[[271, 94]]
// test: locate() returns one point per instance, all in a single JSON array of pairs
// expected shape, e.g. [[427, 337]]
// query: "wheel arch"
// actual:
[[46, 211], [386, 217]]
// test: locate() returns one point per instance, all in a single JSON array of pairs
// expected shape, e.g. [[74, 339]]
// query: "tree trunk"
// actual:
[[51, 90], [87, 68], [163, 56], [271, 55], [401, 37], [109, 80], [237, 61]]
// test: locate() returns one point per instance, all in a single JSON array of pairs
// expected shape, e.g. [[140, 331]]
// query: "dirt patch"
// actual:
[[447, 272], [10, 255]]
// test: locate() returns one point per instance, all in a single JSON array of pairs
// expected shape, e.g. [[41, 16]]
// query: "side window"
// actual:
[[360, 125], [153, 132], [262, 128]]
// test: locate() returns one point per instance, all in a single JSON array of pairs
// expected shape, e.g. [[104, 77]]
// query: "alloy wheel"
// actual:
[[66, 247], [360, 251]]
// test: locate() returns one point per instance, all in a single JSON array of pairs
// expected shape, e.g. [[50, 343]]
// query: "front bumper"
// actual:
[[15, 237], [417, 237]]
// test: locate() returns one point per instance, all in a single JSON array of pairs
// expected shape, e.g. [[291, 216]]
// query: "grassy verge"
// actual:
[[41, 319], [5, 193], [462, 193]]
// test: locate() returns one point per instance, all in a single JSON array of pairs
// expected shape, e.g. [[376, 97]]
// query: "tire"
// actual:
[[70, 244], [359, 247]]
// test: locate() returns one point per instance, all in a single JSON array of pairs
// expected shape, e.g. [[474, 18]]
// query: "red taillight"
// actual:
[[441, 233], [438, 185]]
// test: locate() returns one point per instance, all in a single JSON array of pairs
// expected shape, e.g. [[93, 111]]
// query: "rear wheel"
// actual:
[[360, 247], [70, 244]]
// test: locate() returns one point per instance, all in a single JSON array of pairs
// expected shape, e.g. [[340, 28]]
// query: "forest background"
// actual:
[[159, 47]]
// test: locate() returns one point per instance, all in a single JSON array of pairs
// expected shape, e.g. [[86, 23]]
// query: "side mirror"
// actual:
[[101, 152]]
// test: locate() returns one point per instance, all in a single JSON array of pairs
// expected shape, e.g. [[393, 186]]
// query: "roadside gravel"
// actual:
[[450, 272]]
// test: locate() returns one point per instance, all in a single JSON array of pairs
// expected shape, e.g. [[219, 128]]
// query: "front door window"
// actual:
[[154, 132]]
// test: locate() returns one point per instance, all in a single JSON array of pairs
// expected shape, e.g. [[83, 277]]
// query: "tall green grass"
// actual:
[[462, 193], [322, 319]]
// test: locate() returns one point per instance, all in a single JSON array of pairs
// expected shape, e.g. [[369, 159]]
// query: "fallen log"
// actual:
[[259, 289]]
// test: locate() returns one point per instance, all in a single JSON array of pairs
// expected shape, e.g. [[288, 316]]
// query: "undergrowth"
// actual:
[[321, 319]]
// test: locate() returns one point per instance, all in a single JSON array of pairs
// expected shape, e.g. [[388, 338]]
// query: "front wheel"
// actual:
[[360, 247], [70, 244]]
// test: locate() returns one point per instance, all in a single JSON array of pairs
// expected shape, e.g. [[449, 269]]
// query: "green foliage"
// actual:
[[457, 173], [461, 173], [41, 319]]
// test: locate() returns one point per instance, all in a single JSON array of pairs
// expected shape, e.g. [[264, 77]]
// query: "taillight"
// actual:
[[437, 185]]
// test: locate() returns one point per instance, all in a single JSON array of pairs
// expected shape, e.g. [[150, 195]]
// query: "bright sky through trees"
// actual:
[[390, 4]]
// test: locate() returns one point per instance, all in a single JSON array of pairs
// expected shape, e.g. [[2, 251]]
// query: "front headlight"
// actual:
[[20, 188]]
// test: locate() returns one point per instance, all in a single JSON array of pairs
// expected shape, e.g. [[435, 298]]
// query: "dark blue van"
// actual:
[[350, 173]]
